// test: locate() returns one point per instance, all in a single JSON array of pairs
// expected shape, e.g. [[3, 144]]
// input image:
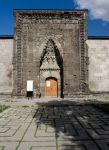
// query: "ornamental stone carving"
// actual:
[[32, 57]]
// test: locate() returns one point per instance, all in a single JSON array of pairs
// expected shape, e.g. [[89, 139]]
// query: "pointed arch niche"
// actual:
[[51, 66]]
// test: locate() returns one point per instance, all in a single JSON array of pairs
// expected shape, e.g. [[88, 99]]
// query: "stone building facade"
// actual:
[[51, 48]]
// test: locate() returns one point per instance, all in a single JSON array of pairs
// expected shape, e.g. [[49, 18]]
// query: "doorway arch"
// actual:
[[51, 70], [51, 87]]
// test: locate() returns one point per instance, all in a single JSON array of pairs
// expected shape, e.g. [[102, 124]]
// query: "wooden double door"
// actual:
[[51, 87]]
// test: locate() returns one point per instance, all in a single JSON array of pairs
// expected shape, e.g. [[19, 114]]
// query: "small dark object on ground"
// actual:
[[30, 94]]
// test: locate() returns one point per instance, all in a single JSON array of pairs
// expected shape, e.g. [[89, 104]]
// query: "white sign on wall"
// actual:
[[29, 85], [48, 83]]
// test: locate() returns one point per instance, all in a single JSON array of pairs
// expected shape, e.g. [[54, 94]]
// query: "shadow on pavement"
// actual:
[[72, 125]]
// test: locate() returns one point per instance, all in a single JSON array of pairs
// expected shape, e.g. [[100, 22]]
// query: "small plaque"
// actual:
[[30, 85], [48, 83]]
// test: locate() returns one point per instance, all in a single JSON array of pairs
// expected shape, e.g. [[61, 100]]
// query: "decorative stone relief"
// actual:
[[48, 61], [34, 27]]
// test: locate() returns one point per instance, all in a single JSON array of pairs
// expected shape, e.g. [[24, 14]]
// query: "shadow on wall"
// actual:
[[71, 126]]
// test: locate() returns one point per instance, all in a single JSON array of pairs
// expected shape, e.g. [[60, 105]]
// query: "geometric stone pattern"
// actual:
[[54, 127], [13, 124]]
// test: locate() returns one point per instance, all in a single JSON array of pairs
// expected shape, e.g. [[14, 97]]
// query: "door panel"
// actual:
[[51, 87]]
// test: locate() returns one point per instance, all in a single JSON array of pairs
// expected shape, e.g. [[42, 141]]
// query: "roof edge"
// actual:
[[6, 36], [51, 9], [98, 37]]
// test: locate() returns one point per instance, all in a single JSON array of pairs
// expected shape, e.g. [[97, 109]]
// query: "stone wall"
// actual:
[[6, 53], [98, 52], [68, 30]]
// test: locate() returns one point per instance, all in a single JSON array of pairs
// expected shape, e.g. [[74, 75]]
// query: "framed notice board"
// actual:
[[29, 85]]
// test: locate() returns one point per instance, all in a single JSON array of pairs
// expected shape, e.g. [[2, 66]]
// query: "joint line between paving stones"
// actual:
[[89, 135], [73, 125], [35, 133], [93, 140], [55, 131], [56, 142], [23, 135]]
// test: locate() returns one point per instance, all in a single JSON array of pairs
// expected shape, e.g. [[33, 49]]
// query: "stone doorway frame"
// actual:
[[51, 78], [44, 74]]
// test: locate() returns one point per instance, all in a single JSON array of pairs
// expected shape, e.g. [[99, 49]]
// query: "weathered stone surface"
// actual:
[[67, 31], [6, 54], [98, 51]]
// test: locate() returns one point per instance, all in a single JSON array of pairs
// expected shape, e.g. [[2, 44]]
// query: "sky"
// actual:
[[98, 15]]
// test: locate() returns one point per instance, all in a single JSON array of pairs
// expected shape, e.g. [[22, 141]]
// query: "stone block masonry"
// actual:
[[54, 127], [98, 51], [6, 68]]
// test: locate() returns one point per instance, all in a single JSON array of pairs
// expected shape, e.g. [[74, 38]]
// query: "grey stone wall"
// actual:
[[98, 52], [68, 30], [6, 54]]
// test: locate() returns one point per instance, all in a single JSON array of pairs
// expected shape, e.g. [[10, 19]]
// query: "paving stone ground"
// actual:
[[54, 127]]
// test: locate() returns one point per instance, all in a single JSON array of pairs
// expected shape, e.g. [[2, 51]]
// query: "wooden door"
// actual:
[[51, 87]]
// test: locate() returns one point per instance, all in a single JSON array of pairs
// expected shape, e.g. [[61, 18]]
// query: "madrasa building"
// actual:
[[52, 55]]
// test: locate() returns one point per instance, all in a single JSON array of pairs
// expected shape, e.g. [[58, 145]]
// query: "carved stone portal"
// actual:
[[50, 44], [51, 66]]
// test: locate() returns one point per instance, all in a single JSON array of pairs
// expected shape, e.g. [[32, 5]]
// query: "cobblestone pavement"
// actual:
[[54, 127]]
